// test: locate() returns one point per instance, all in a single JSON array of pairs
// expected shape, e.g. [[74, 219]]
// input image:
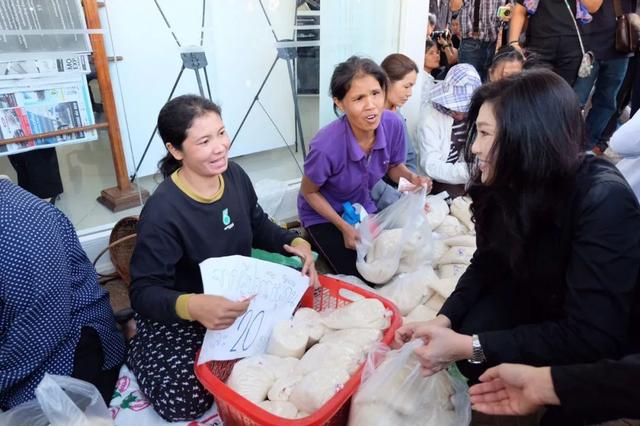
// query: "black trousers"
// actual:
[[162, 356], [38, 172], [624, 98], [561, 54], [87, 364], [327, 240]]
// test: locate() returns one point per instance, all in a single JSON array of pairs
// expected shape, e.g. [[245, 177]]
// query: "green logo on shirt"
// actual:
[[226, 219]]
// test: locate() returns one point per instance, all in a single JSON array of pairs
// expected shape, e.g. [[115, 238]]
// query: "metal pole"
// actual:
[[155, 129], [255, 99], [296, 109]]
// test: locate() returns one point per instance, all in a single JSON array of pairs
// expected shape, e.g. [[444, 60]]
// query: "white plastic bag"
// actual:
[[310, 321], [362, 313], [452, 270], [363, 338], [345, 355], [461, 208], [318, 387], [461, 240], [450, 227], [61, 401], [253, 377], [395, 226], [288, 340], [394, 392], [409, 290], [459, 255], [420, 313], [438, 210], [270, 195], [419, 251]]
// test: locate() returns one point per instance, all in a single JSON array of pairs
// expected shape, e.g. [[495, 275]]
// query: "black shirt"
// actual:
[[600, 34], [581, 286], [176, 233], [598, 392], [552, 19]]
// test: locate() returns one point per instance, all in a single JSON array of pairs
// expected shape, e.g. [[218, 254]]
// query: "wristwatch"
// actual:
[[477, 356]]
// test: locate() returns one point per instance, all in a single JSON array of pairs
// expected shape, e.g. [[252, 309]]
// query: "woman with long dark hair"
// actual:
[[556, 277], [206, 207]]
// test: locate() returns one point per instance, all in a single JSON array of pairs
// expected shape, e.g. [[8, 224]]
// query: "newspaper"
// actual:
[[36, 67], [42, 15], [33, 106]]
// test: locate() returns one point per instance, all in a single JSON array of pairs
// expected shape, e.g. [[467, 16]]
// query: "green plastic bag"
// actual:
[[291, 261]]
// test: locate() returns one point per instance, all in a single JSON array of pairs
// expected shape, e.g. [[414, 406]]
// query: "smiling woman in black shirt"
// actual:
[[206, 207]]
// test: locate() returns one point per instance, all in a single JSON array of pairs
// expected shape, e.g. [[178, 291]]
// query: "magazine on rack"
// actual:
[[33, 106]]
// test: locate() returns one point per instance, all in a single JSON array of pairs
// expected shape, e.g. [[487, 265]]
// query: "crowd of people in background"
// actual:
[[519, 100]]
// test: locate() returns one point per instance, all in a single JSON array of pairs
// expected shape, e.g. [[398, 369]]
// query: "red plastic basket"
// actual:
[[236, 410]]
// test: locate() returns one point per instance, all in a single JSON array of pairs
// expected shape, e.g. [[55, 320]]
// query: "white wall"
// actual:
[[365, 28], [240, 49], [413, 31], [372, 28]]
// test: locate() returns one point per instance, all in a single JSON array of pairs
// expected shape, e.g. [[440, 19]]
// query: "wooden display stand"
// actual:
[[126, 194]]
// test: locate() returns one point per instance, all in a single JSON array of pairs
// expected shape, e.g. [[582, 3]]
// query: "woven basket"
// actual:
[[121, 243]]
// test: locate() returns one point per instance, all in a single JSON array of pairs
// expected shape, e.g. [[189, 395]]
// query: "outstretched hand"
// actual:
[[513, 389]]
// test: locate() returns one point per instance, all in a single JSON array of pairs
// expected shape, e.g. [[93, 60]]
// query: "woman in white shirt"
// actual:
[[441, 133]]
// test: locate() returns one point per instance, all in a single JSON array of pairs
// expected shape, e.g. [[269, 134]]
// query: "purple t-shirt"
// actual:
[[342, 171]]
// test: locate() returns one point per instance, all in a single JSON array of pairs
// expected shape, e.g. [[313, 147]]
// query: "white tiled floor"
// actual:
[[87, 168]]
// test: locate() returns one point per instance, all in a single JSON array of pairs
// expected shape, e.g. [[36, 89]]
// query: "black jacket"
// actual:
[[601, 391], [578, 299]]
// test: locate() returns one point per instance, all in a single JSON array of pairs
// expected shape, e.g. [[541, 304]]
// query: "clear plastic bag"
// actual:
[[399, 230], [61, 401], [394, 392]]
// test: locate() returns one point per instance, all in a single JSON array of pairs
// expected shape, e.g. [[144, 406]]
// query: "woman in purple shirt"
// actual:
[[348, 157]]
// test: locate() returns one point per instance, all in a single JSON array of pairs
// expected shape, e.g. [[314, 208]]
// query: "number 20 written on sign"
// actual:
[[251, 323]]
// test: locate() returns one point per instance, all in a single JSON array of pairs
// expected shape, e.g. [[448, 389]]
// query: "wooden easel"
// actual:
[[126, 194]]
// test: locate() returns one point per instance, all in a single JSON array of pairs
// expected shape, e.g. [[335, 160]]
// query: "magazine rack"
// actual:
[[126, 194]]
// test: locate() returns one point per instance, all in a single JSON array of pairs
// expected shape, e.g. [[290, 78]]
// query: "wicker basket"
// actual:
[[121, 243]]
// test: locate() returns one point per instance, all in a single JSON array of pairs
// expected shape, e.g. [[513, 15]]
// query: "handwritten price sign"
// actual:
[[277, 289]]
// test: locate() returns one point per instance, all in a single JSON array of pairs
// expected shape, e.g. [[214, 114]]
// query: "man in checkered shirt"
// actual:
[[478, 44]]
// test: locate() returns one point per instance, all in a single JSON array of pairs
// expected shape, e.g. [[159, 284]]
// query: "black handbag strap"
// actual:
[[476, 16], [617, 6]]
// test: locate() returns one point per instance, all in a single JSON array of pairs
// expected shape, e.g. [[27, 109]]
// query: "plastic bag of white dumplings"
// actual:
[[398, 239], [394, 392]]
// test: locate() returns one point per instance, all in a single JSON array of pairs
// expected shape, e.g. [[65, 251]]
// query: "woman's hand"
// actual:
[[350, 236], [443, 346], [406, 333], [215, 312], [421, 181], [513, 389], [303, 251]]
